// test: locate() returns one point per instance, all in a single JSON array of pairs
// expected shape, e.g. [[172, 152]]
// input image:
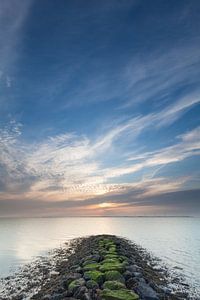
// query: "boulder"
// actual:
[[111, 260], [118, 295], [146, 292], [80, 292], [127, 275], [132, 283], [88, 262], [114, 275], [107, 256], [94, 275], [91, 267], [132, 268], [67, 279], [112, 266], [91, 284], [113, 285], [75, 285]]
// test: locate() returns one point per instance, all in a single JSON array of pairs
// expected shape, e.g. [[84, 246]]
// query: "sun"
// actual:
[[106, 205]]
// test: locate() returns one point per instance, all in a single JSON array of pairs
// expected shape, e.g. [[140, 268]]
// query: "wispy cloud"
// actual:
[[71, 166], [188, 145], [164, 74]]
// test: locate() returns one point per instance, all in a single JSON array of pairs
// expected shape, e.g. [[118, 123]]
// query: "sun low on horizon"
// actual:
[[99, 108]]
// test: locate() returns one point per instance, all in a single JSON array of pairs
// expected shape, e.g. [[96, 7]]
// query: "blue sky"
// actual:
[[99, 107]]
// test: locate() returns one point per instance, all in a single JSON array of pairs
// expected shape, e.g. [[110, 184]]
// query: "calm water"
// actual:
[[175, 240]]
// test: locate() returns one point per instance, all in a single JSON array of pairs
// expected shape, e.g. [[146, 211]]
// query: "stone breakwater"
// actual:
[[108, 268]]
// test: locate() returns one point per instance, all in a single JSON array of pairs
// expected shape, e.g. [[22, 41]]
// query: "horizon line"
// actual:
[[125, 216]]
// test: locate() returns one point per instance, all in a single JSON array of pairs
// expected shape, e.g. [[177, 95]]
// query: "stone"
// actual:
[[91, 284], [93, 257], [112, 250], [67, 279], [127, 275], [123, 258], [146, 292], [119, 295], [112, 266], [109, 255], [57, 297], [166, 290], [111, 260], [47, 297], [96, 257], [90, 267], [94, 275], [113, 285], [132, 283], [114, 275], [86, 296], [88, 262], [132, 268], [74, 285], [137, 274], [78, 270], [54, 273], [80, 292]]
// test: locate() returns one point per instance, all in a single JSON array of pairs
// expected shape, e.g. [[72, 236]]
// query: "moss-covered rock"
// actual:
[[90, 267], [112, 248], [111, 251], [123, 258], [111, 256], [114, 275], [88, 262], [110, 244], [75, 284], [112, 266], [118, 295], [111, 260], [95, 275], [69, 278], [106, 244], [91, 284], [113, 285]]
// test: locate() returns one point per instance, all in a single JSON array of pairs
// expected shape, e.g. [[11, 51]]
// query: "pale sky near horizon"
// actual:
[[99, 107]]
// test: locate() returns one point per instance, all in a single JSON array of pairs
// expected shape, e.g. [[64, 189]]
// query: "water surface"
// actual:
[[174, 240]]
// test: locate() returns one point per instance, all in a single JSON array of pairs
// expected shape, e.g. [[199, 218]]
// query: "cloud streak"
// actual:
[[71, 166]]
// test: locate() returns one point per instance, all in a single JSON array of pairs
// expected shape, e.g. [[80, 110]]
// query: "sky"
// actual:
[[99, 108]]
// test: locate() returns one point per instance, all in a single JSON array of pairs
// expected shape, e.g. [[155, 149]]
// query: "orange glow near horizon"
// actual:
[[106, 205]]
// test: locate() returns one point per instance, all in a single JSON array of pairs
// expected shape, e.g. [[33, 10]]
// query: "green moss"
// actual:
[[106, 244], [112, 266], [118, 295], [88, 262], [110, 256], [112, 247], [76, 283], [109, 245], [111, 260], [91, 284], [90, 267], [112, 251], [114, 275], [95, 275], [123, 258], [113, 285]]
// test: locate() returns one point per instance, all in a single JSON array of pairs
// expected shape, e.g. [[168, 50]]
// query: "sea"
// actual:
[[175, 241]]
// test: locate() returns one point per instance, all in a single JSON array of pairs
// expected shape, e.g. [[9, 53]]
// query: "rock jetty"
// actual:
[[106, 267]]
